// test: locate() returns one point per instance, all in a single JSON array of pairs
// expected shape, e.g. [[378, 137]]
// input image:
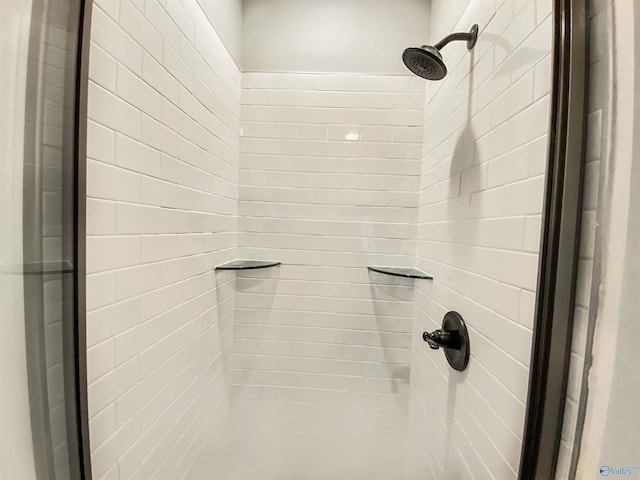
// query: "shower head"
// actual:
[[426, 61]]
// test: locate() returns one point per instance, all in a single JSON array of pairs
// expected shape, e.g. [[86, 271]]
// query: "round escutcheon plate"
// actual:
[[457, 358]]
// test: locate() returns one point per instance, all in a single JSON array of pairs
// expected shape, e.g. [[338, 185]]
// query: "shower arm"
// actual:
[[470, 37]]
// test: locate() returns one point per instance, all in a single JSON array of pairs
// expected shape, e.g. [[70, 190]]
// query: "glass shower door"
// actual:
[[38, 368]]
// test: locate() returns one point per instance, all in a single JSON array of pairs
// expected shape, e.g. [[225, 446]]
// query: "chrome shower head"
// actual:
[[426, 61]]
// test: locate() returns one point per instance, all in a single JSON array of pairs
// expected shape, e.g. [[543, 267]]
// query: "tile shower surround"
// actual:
[[162, 209], [480, 203], [329, 172], [314, 368]]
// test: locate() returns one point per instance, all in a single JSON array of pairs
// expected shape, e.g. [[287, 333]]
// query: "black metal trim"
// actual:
[[80, 186], [558, 259], [458, 358], [471, 37]]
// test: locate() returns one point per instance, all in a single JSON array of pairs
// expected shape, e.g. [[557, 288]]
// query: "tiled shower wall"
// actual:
[[329, 177], [335, 174], [163, 152], [485, 137]]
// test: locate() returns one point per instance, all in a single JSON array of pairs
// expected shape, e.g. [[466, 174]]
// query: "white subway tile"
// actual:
[[165, 282], [111, 252], [156, 14], [133, 90], [159, 78], [109, 453], [112, 183], [135, 24], [136, 156], [100, 359], [177, 67], [106, 322], [102, 426], [110, 111], [109, 387], [100, 217], [100, 290], [110, 7], [107, 34], [100, 142], [102, 68]]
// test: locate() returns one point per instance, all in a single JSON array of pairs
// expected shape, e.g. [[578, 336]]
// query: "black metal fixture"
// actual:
[[427, 62], [453, 338]]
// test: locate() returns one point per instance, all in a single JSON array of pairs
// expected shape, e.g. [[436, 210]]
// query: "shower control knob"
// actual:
[[442, 338], [453, 339]]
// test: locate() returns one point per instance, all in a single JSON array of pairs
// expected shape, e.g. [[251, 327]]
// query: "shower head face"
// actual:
[[426, 62]]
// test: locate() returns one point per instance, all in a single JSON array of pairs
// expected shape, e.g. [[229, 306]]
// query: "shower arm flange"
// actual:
[[470, 37]]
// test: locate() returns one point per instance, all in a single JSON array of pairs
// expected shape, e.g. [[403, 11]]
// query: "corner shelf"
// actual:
[[246, 265], [406, 272]]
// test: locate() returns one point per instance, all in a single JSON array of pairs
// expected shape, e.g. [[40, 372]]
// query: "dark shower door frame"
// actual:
[[53, 246], [558, 258], [80, 227], [559, 245]]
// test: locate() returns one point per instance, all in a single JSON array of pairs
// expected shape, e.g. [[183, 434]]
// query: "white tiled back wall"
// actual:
[[163, 153], [329, 178], [485, 137]]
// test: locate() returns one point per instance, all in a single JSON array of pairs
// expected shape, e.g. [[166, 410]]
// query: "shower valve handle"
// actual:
[[442, 338], [453, 339]]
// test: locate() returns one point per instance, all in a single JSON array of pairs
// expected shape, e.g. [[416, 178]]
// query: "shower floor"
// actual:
[[238, 468]]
